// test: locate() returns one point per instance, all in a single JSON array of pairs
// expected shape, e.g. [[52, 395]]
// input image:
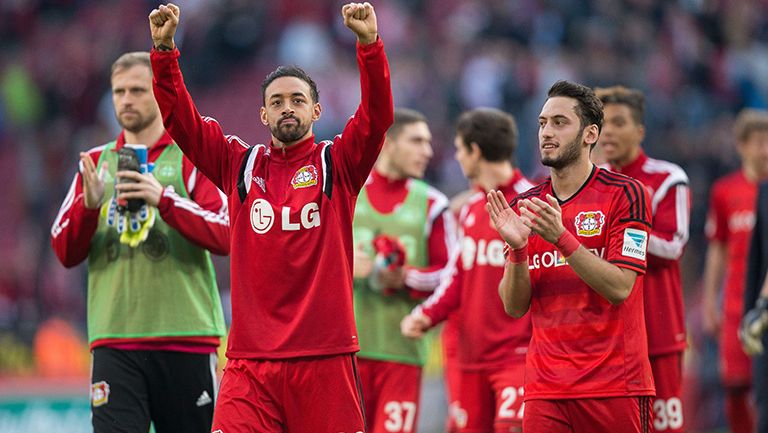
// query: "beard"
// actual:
[[289, 133], [138, 123], [571, 153]]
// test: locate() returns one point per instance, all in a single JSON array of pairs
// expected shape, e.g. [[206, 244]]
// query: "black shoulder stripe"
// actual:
[[328, 171], [626, 193], [241, 191], [535, 191], [630, 264], [637, 205], [633, 220]]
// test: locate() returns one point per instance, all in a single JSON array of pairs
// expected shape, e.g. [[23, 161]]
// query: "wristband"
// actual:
[[163, 47], [567, 244], [516, 255]]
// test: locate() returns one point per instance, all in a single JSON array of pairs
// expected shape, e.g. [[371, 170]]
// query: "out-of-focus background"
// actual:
[[698, 61]]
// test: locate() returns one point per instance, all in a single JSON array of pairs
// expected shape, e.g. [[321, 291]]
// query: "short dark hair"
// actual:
[[494, 132], [588, 107], [129, 60], [403, 117], [289, 71], [632, 98]]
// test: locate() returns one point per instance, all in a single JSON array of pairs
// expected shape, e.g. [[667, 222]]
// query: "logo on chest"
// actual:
[[304, 177], [589, 223], [263, 217]]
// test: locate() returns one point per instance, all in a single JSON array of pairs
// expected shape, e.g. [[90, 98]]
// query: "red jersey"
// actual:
[[291, 214], [667, 185], [582, 345], [487, 335], [386, 195], [730, 220], [203, 219]]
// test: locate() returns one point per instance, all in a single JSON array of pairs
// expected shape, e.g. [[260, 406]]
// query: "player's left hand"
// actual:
[[546, 219], [415, 325], [146, 187], [753, 326], [361, 19], [392, 278]]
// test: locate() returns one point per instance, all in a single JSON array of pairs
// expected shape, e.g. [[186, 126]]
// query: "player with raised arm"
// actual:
[[291, 364], [577, 255], [491, 345], [403, 233], [667, 183]]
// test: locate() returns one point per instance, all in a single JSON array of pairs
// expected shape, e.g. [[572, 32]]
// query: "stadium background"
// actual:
[[698, 61]]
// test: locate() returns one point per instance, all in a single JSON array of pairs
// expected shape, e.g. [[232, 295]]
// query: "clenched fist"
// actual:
[[162, 24], [361, 19]]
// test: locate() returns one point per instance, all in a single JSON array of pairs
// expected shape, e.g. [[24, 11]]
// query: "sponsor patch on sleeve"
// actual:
[[635, 243]]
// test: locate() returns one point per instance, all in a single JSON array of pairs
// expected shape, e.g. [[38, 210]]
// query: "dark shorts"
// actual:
[[176, 391]]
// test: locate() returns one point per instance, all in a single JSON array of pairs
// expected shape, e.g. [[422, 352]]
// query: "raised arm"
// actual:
[[201, 139], [357, 148]]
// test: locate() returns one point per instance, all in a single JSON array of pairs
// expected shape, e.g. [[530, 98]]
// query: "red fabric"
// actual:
[[582, 345], [391, 395], [667, 405], [488, 336], [663, 291], [202, 220], [451, 371], [385, 196], [291, 259], [739, 411], [492, 399], [588, 415], [273, 396], [730, 221]]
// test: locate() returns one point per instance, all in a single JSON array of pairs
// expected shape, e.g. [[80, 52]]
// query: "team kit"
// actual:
[[558, 302]]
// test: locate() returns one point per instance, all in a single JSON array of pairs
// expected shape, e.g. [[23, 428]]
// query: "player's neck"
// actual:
[[568, 180], [753, 174], [147, 136], [494, 174], [388, 170]]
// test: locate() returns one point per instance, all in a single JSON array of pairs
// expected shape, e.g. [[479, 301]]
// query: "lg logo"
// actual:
[[263, 217]]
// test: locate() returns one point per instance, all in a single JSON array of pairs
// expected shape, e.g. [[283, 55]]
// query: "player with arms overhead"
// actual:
[[291, 364], [578, 245]]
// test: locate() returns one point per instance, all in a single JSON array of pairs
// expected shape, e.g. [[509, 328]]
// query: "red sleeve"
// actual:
[[442, 240], [716, 228], [670, 223], [75, 225], [356, 149], [629, 226], [202, 219], [447, 296], [201, 139]]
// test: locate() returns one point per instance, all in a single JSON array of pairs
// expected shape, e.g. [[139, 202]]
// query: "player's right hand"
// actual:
[[415, 325], [513, 228], [162, 24], [753, 326], [93, 182]]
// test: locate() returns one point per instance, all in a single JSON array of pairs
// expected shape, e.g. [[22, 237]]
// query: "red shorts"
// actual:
[[588, 415], [299, 395], [391, 395], [667, 405], [735, 365], [492, 400], [451, 372]]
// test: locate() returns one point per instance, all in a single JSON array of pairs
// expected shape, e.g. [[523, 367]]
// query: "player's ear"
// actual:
[[591, 133], [263, 116], [317, 110]]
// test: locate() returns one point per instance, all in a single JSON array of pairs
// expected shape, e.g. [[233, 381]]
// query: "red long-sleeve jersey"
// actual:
[[487, 335], [202, 219], [385, 195], [291, 215], [667, 184]]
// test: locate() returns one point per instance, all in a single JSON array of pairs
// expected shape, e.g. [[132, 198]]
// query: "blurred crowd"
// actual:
[[698, 62]]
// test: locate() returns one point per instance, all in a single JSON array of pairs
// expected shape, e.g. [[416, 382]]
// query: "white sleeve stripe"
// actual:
[[192, 181], [428, 281], [673, 249], [58, 225], [325, 169], [248, 173], [672, 180], [449, 272], [221, 218]]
